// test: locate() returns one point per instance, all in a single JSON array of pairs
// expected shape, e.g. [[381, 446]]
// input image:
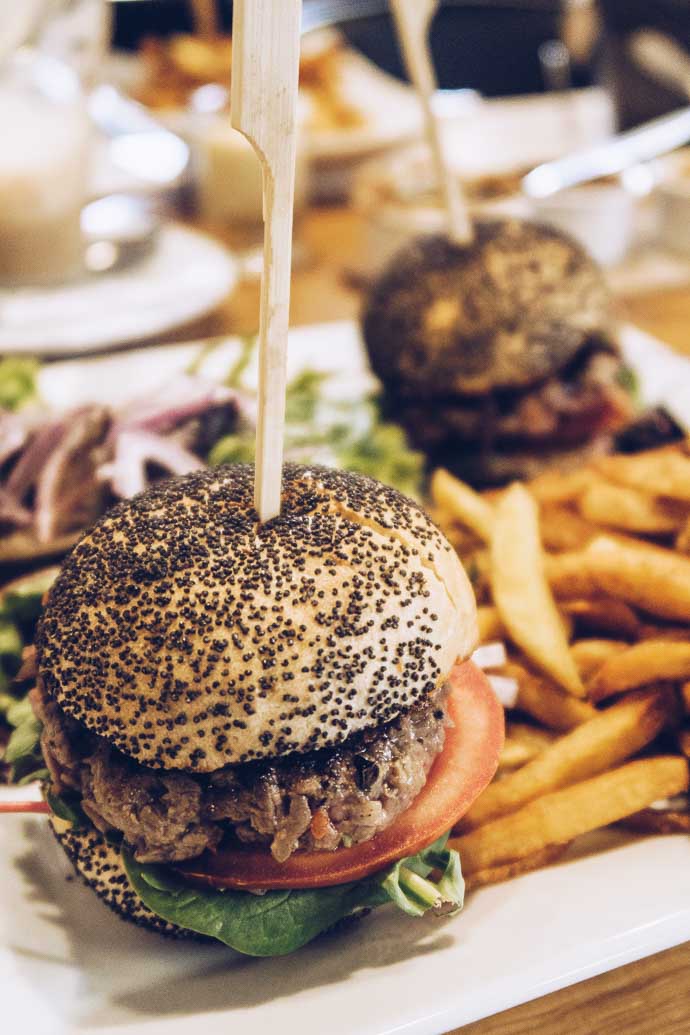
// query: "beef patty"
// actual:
[[584, 400], [315, 801]]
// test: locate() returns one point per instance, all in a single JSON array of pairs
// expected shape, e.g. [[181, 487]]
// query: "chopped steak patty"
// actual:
[[316, 801], [561, 411]]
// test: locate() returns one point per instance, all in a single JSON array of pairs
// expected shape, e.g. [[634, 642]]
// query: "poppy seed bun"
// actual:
[[509, 310], [100, 866], [191, 637]]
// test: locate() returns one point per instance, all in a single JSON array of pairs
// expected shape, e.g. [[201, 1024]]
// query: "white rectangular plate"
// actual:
[[68, 966]]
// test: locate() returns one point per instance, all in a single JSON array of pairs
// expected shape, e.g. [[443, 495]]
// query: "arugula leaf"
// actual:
[[17, 381], [279, 922]]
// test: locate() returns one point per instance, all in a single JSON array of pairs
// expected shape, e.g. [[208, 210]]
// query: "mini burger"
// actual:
[[498, 358], [255, 731]]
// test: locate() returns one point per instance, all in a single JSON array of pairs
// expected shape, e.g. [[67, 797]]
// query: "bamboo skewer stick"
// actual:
[[412, 19], [266, 48]]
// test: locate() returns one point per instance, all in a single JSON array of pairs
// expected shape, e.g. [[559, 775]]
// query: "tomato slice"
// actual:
[[463, 769]]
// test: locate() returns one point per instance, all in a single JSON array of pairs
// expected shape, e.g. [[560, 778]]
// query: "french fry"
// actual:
[[554, 487], [565, 814], [589, 655], [492, 628], [684, 741], [644, 663], [521, 592], [506, 871], [568, 577], [490, 625], [605, 741], [631, 510], [672, 633], [685, 697], [648, 577], [564, 529], [683, 538], [659, 821], [662, 472], [463, 503], [546, 703], [478, 567], [603, 615], [522, 743]]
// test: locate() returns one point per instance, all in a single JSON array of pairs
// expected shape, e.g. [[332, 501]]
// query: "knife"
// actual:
[[611, 156]]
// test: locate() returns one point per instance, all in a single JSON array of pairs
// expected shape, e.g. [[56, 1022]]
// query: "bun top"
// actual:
[[506, 312], [191, 637]]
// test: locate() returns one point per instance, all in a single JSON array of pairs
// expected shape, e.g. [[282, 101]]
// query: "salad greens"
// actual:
[[279, 922], [17, 381], [19, 610], [23, 751], [344, 433]]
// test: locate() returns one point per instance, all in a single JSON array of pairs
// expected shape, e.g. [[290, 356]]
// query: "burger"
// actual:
[[498, 358], [254, 731]]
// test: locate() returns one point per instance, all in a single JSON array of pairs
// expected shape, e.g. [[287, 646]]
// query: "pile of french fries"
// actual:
[[586, 579]]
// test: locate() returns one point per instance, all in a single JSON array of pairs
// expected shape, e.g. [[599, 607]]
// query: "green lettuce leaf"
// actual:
[[279, 922], [17, 381], [23, 751], [22, 602], [318, 428]]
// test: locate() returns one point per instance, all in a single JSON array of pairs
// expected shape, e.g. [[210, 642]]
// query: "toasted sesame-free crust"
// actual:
[[507, 311], [191, 637]]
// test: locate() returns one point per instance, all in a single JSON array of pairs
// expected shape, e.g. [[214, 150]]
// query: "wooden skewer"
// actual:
[[205, 17], [412, 19], [265, 69], [35, 807]]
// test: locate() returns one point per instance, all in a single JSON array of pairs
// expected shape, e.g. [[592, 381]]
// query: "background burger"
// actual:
[[228, 708], [498, 358]]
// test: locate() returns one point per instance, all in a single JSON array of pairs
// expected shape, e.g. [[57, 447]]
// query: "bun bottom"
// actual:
[[100, 867]]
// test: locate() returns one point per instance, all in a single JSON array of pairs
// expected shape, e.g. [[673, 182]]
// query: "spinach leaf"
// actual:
[[273, 924], [67, 809], [279, 922]]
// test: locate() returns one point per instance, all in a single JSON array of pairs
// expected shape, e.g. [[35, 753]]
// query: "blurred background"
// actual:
[[130, 210]]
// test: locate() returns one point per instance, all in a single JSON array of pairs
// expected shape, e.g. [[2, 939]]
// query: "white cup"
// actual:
[[601, 216], [229, 184], [45, 136]]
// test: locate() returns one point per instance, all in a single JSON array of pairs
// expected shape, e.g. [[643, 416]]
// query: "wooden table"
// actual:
[[650, 997]]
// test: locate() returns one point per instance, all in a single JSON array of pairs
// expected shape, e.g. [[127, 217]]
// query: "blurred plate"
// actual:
[[389, 109], [185, 276]]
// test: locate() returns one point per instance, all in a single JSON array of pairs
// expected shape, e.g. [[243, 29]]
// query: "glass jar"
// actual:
[[45, 135]]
